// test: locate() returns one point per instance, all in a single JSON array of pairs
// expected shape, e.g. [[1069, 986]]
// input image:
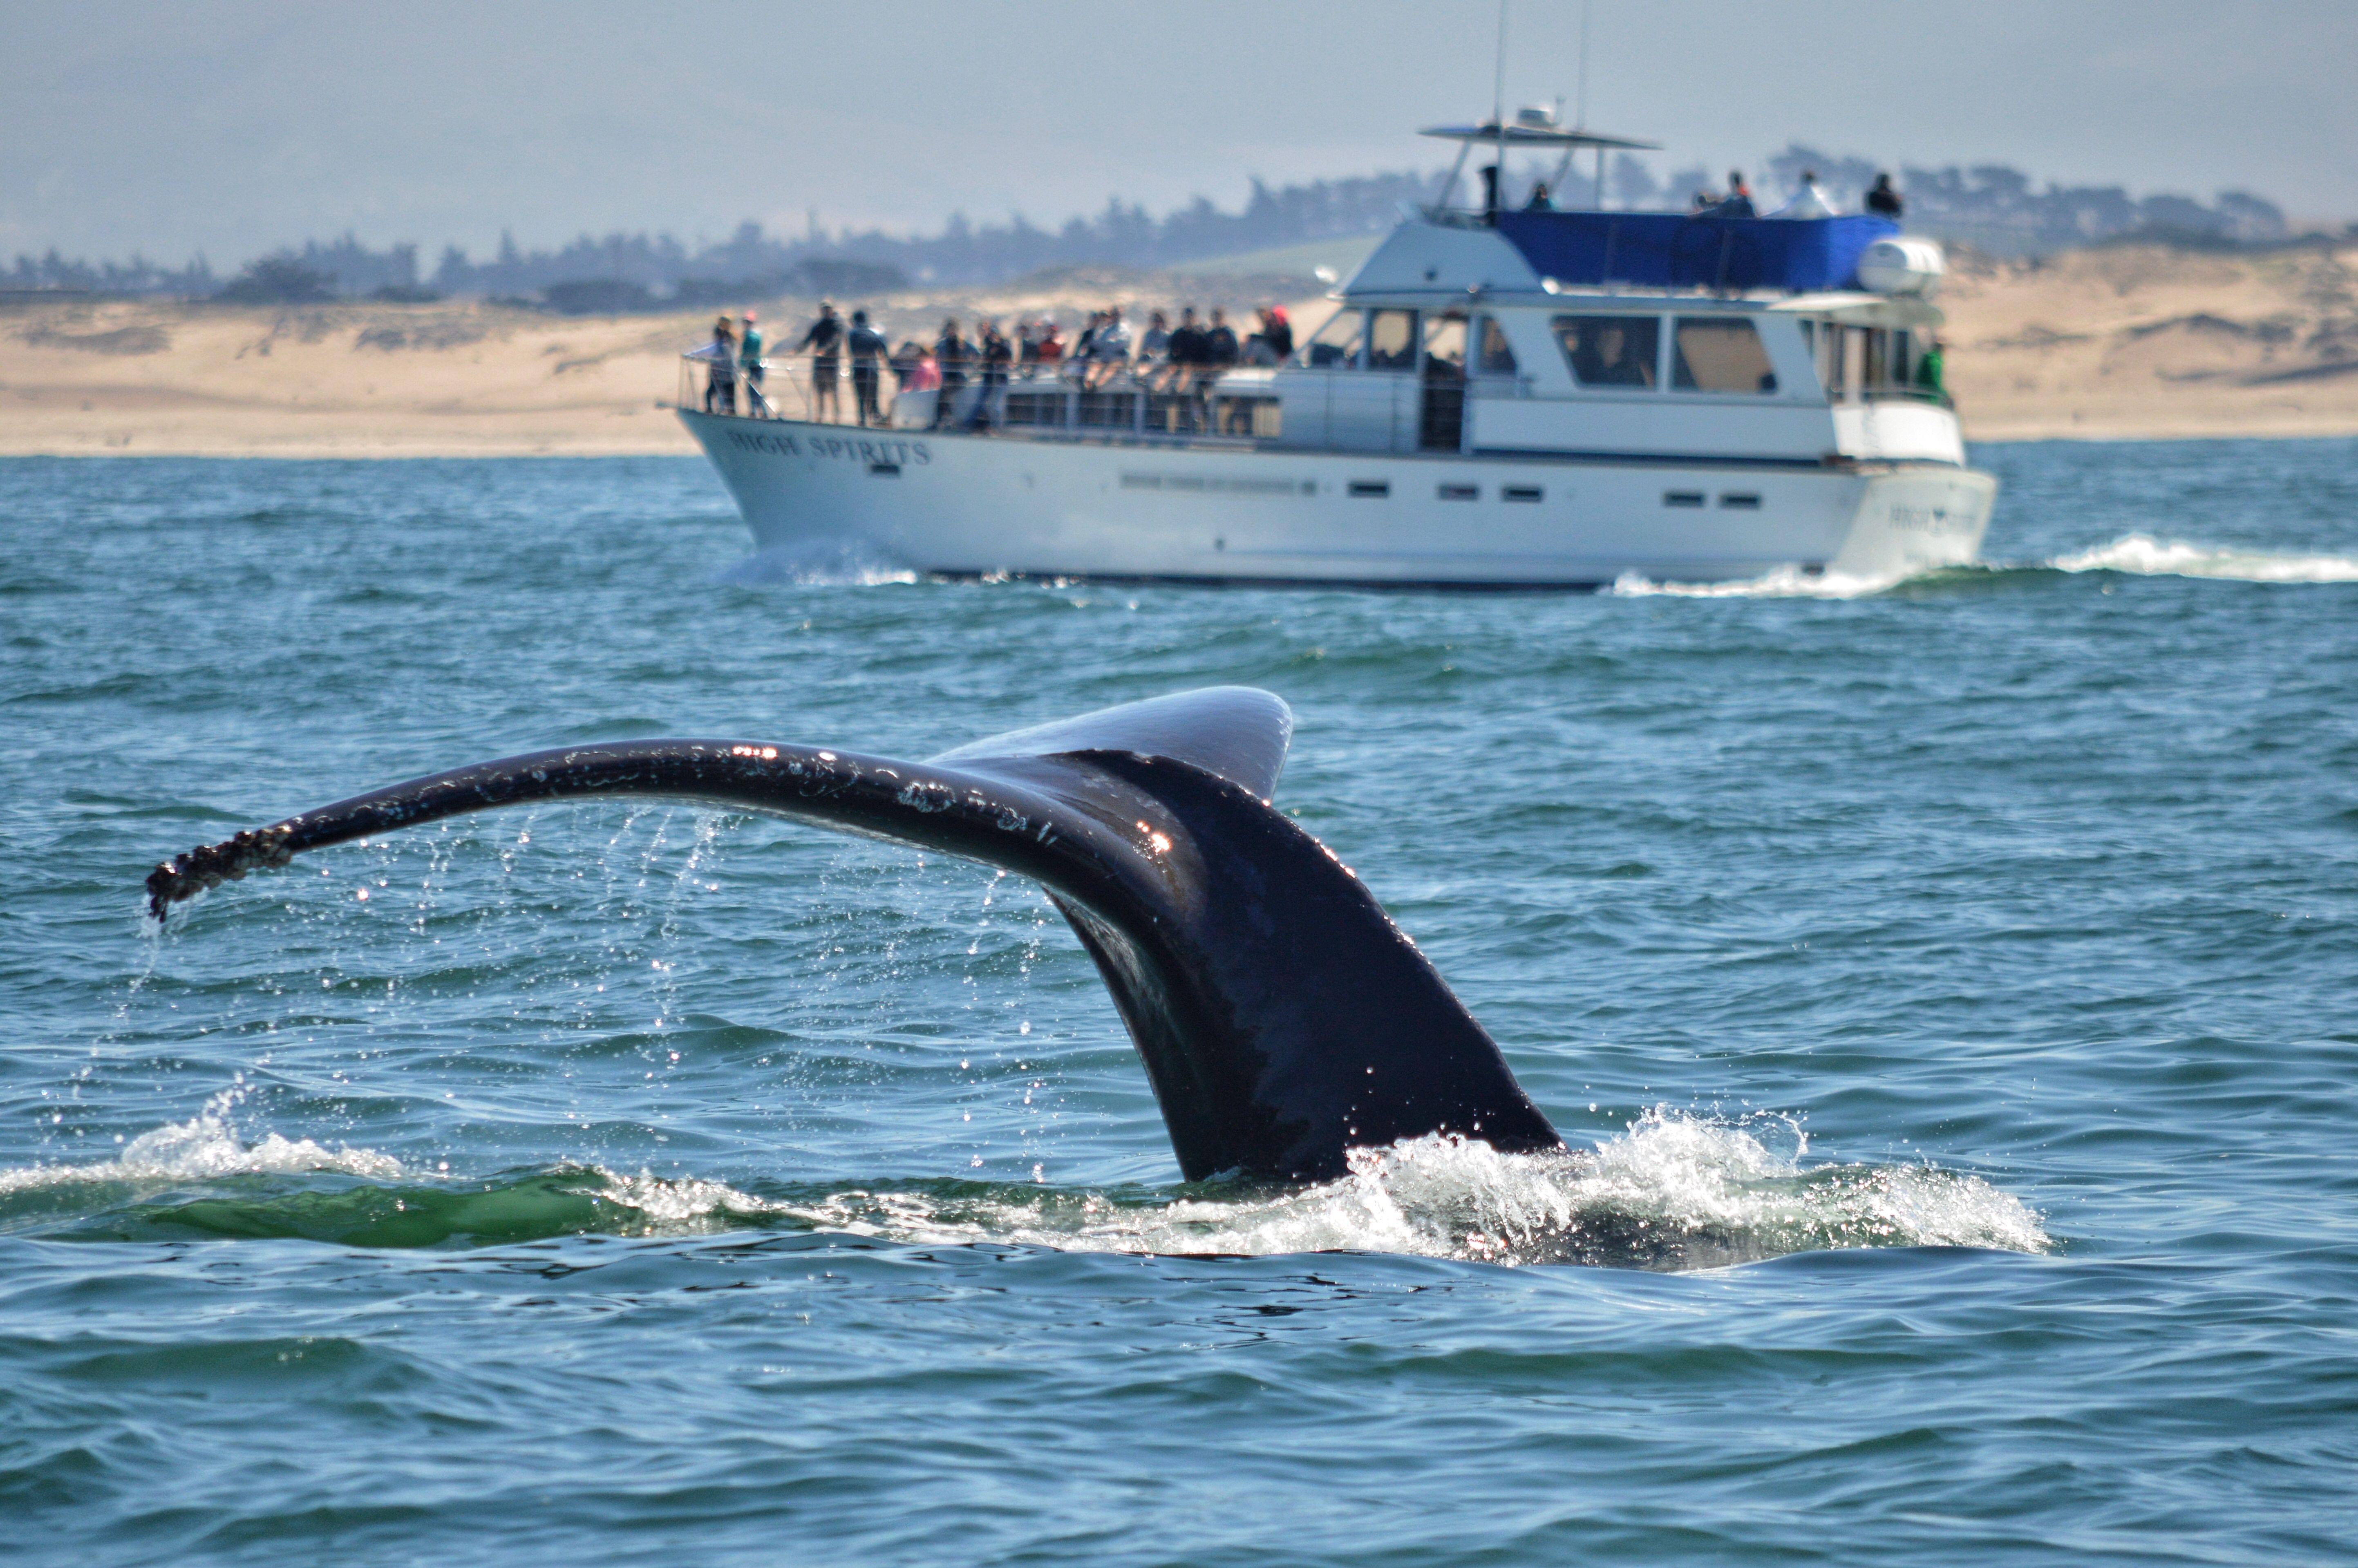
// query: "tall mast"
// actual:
[[1498, 116]]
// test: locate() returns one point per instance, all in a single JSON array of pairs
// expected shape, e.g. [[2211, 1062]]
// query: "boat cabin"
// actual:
[[1448, 340]]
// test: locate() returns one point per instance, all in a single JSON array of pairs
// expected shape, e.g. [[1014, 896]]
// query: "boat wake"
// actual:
[[1785, 582], [1673, 1192], [2141, 554], [846, 565], [2134, 555]]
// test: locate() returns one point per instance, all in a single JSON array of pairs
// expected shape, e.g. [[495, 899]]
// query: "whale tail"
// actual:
[[1282, 1017]]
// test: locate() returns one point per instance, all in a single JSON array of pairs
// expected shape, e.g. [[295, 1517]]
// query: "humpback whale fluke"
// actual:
[[1283, 1019]]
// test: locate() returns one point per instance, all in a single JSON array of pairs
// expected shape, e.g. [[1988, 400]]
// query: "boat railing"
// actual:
[[1107, 398], [1899, 392]]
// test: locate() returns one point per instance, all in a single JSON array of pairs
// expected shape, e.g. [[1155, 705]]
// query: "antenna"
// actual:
[[1498, 85], [1580, 112], [1498, 118]]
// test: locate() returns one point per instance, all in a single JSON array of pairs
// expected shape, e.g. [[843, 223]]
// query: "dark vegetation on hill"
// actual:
[[1991, 207]]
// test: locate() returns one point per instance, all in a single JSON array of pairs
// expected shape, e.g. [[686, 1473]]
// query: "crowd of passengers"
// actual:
[[1165, 357]]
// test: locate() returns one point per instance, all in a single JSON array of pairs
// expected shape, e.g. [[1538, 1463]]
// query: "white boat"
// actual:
[[1501, 398]]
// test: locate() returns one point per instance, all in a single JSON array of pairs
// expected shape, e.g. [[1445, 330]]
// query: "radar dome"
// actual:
[[1904, 266]]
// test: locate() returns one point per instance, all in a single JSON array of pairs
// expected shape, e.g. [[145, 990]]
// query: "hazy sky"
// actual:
[[232, 128]]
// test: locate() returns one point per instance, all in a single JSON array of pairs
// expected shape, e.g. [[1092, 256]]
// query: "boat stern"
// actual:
[[1912, 520]]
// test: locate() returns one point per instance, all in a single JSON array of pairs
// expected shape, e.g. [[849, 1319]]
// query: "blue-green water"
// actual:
[[1951, 993]]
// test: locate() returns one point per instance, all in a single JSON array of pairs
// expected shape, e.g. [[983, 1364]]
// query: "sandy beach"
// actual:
[[2114, 344]]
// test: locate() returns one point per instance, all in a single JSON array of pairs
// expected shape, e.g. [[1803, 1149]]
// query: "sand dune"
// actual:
[[2147, 342], [2117, 343]]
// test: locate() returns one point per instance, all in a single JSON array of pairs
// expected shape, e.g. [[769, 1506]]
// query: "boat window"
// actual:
[[1829, 341], [1610, 350], [1336, 345], [1719, 354], [1444, 349], [1878, 358], [1498, 354], [1391, 340]]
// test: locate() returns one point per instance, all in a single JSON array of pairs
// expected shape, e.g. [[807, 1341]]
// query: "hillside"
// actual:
[[2114, 344], [2142, 341]]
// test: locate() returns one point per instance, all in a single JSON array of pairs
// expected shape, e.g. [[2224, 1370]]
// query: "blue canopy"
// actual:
[[1673, 250]]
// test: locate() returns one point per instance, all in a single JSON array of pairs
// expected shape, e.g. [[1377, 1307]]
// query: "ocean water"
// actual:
[[1949, 991]]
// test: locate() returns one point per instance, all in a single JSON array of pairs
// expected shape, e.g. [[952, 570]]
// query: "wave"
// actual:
[[2141, 554], [1673, 1192], [1784, 582], [845, 564], [2137, 555], [204, 1146]]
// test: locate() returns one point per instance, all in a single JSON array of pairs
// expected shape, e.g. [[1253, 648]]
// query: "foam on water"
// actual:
[[2142, 555], [844, 565], [1784, 582], [2137, 555], [1675, 1191], [205, 1146]]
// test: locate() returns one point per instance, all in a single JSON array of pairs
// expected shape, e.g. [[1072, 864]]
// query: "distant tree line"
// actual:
[[1991, 206]]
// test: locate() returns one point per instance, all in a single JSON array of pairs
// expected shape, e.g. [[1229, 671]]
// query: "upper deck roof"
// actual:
[[1535, 128]]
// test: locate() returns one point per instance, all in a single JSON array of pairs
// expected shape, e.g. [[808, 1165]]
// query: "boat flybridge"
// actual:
[[1500, 398]]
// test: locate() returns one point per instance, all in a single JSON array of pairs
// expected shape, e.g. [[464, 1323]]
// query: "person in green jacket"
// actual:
[[1928, 371]]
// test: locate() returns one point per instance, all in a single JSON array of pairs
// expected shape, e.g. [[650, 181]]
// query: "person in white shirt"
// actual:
[[720, 368], [1811, 201], [1109, 349]]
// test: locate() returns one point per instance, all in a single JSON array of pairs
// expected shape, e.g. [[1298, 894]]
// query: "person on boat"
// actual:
[[1113, 338], [1108, 348], [1220, 349], [1738, 203], [1154, 344], [750, 367], [1278, 328], [1052, 347], [721, 369], [1929, 366], [868, 352], [914, 365], [952, 354], [1540, 201], [996, 355], [1274, 342], [825, 340], [1809, 201], [1883, 201], [1186, 351], [1602, 355]]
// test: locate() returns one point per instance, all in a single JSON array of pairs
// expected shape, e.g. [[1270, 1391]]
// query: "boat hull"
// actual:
[[981, 505]]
